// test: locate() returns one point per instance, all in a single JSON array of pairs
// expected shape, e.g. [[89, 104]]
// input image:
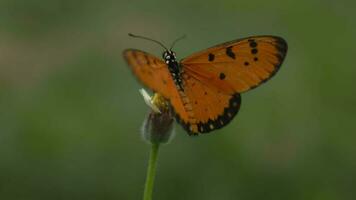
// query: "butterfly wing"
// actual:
[[214, 78], [205, 108], [154, 74], [151, 71], [239, 65]]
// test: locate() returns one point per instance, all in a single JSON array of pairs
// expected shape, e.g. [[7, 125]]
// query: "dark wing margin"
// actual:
[[213, 124]]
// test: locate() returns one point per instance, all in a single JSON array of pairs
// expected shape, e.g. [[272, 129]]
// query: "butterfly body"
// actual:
[[204, 88], [173, 67]]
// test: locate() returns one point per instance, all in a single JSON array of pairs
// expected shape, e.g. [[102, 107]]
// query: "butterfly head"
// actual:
[[169, 56]]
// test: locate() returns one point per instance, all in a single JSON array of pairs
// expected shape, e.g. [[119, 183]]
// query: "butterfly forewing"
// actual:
[[151, 71], [239, 65], [154, 74]]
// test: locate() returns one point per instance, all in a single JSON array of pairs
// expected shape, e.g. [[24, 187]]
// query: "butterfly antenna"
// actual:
[[146, 38], [175, 41]]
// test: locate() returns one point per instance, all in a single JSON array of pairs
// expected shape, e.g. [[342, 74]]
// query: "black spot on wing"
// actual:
[[230, 53], [222, 76], [253, 44], [254, 51], [211, 57]]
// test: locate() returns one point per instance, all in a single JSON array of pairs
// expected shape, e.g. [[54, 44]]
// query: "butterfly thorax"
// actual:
[[174, 68]]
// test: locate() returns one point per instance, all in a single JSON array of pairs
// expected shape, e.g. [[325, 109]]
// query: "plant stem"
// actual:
[[151, 172]]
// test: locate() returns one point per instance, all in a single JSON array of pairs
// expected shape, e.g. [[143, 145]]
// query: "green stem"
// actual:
[[151, 172]]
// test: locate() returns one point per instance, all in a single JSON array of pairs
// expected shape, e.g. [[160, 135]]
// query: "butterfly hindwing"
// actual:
[[239, 65], [207, 108]]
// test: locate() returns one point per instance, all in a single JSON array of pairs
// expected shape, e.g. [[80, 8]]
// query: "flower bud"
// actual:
[[158, 125]]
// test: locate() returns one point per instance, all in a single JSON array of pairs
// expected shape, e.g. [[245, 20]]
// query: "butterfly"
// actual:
[[204, 88]]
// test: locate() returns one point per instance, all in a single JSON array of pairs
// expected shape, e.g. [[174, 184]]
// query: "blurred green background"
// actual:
[[70, 110]]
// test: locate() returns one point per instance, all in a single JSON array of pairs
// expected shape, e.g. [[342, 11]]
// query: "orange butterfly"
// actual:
[[204, 88]]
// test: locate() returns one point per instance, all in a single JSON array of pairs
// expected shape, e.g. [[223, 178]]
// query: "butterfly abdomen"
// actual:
[[176, 74]]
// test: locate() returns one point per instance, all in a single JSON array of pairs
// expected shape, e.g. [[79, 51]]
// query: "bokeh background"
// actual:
[[70, 110]]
